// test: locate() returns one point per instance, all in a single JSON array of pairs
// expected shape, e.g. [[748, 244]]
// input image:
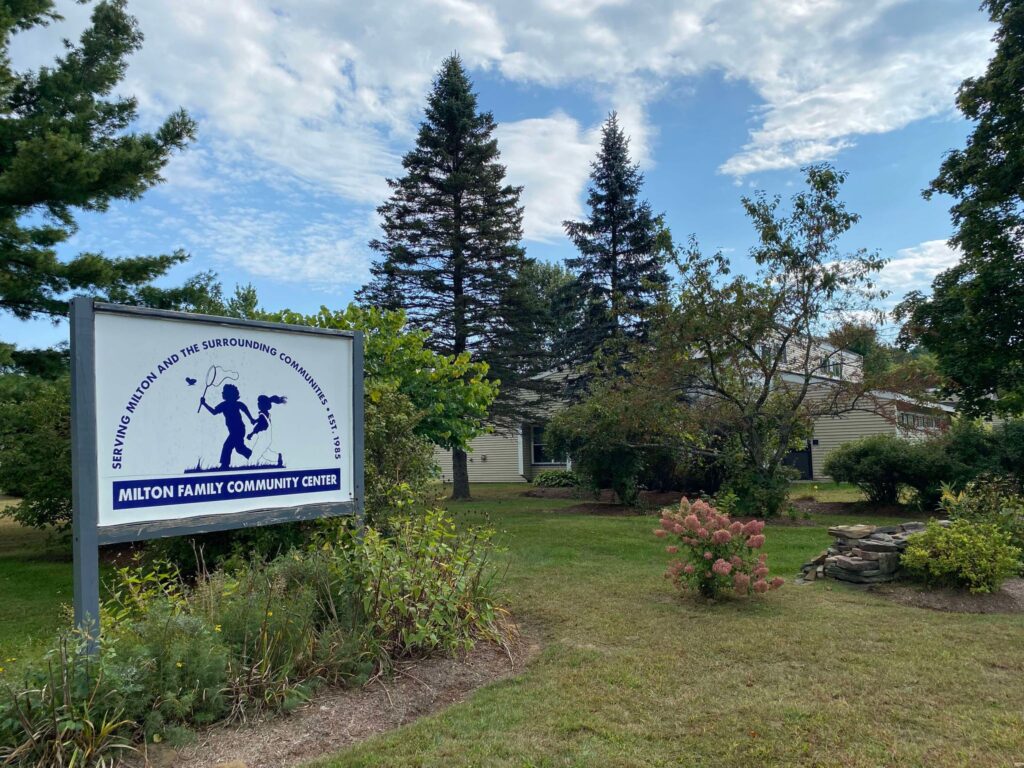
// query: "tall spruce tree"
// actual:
[[450, 245], [623, 248], [66, 145], [974, 320]]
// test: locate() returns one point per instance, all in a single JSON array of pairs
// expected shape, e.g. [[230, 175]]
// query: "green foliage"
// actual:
[[68, 144], [603, 434], [425, 588], [399, 461], [623, 249], [451, 393], [971, 319], [994, 500], [557, 478], [978, 556], [70, 710], [755, 359], [35, 449], [883, 465], [757, 492]]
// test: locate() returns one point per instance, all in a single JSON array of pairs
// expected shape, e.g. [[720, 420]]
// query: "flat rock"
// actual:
[[851, 531], [912, 527], [853, 564], [871, 545]]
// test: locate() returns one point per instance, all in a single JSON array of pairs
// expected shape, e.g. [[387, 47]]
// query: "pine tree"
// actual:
[[623, 248], [65, 144], [974, 320], [450, 245]]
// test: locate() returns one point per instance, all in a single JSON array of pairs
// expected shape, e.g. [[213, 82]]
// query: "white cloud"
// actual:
[[317, 97], [914, 268], [551, 158]]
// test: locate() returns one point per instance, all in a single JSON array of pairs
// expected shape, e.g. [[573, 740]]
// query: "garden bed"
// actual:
[[1009, 599], [337, 718]]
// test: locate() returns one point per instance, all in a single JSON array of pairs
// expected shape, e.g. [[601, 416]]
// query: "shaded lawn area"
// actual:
[[35, 584], [633, 675]]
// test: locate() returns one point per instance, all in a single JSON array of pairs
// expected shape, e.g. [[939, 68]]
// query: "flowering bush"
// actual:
[[718, 554]]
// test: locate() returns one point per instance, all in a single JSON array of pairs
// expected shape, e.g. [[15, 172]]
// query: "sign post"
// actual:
[[185, 424]]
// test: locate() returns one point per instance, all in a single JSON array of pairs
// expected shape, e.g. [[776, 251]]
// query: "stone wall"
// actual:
[[862, 554]]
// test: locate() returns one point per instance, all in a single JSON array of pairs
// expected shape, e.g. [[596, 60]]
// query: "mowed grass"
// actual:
[[35, 587], [631, 674]]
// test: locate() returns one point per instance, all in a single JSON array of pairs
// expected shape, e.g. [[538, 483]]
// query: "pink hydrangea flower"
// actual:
[[736, 561], [761, 586], [736, 528], [688, 568], [672, 550], [741, 583], [702, 533], [660, 533], [777, 582], [691, 523], [756, 542], [722, 567], [721, 536], [761, 571], [708, 556]]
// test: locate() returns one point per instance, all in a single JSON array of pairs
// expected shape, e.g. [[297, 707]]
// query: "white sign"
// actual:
[[195, 418]]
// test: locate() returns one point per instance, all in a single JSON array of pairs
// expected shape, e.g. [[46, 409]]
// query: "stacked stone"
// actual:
[[862, 554]]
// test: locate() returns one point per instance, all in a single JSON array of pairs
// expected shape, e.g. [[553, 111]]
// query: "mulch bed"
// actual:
[[1009, 599], [848, 508], [337, 718]]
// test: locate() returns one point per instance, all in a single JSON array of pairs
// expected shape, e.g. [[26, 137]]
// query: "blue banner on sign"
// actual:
[[131, 494]]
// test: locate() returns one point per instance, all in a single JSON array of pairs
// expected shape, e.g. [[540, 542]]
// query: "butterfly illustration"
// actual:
[[190, 381]]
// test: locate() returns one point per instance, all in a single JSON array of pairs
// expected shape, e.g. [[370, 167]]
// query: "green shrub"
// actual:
[[874, 464], [883, 465], [427, 587], [69, 710], [995, 500], [756, 493], [557, 478], [35, 450], [978, 556]]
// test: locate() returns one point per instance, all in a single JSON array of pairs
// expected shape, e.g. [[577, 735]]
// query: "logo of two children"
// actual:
[[232, 408]]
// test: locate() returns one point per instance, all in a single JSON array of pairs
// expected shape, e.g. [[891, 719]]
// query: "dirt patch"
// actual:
[[337, 718], [1009, 599], [848, 508]]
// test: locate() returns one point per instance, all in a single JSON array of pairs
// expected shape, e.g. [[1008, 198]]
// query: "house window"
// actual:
[[832, 366], [919, 420], [540, 451]]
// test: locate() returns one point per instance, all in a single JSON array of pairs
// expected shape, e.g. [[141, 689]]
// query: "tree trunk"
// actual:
[[460, 474]]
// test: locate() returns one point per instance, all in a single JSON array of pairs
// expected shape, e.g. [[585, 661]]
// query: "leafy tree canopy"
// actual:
[[974, 320], [66, 145]]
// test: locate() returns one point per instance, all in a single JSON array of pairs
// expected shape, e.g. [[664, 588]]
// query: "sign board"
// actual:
[[185, 424]]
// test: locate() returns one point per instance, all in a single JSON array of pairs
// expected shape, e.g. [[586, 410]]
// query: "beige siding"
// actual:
[[830, 432], [493, 458]]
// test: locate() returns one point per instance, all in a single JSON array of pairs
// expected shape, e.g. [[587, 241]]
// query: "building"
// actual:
[[519, 455]]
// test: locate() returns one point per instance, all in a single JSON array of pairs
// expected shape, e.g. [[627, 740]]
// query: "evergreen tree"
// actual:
[[65, 145], [974, 320], [450, 246], [623, 248]]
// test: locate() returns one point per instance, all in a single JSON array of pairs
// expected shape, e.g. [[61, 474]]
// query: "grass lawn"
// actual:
[[632, 675], [825, 491], [35, 585]]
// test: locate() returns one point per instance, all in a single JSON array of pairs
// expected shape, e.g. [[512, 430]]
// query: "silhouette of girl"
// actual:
[[264, 444], [232, 408]]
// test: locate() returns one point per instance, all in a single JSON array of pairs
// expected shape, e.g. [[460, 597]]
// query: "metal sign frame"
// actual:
[[88, 536]]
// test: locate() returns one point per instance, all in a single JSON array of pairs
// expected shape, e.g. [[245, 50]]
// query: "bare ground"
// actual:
[[1009, 599], [337, 718]]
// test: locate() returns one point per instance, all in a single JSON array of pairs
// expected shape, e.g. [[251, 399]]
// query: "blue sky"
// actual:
[[305, 108]]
